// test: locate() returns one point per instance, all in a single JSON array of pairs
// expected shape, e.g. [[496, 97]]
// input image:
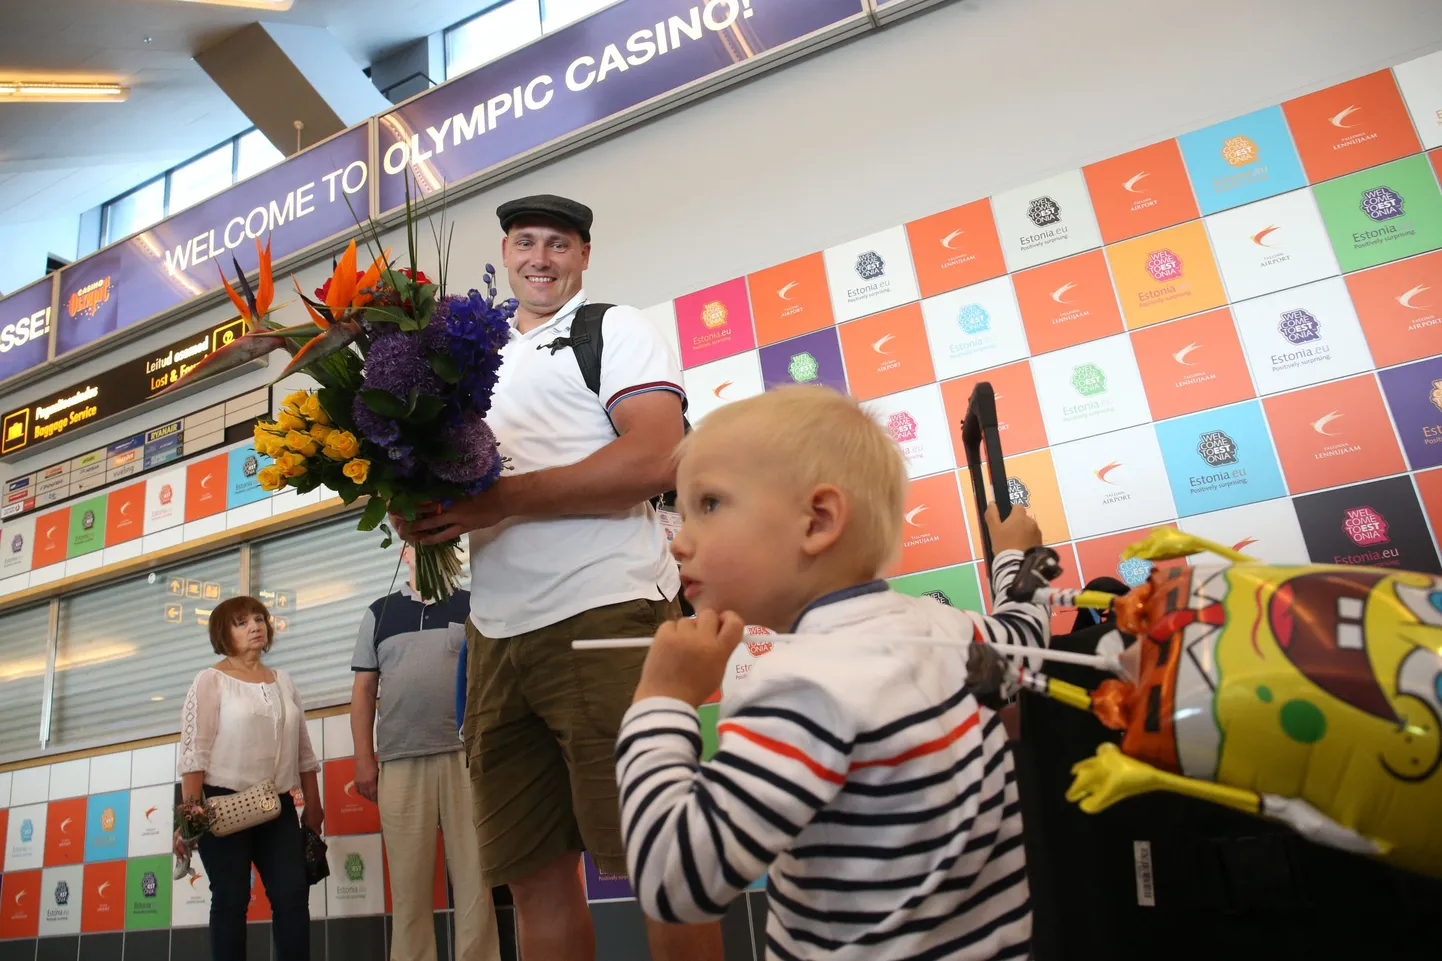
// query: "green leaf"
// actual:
[[445, 367], [386, 315], [374, 513], [389, 537], [336, 404], [426, 409], [385, 403]]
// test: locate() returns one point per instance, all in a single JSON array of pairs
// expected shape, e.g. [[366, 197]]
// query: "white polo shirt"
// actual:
[[530, 573]]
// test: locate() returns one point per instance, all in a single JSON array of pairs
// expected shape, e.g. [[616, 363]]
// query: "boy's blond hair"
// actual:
[[818, 436]]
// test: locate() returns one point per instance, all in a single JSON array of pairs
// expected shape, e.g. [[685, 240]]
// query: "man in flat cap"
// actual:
[[565, 546]]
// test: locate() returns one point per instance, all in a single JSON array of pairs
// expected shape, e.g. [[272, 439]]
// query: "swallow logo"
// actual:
[[65, 826], [193, 878], [881, 344], [1059, 295], [720, 388], [1339, 120], [1102, 474], [1131, 185], [1260, 237], [205, 481], [1182, 355], [149, 812], [50, 534], [949, 241], [350, 788], [1244, 543], [1320, 426], [785, 292], [913, 514], [125, 507], [1406, 299], [20, 896], [101, 890]]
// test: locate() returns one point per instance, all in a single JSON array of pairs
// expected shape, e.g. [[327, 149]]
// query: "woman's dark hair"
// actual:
[[226, 613]]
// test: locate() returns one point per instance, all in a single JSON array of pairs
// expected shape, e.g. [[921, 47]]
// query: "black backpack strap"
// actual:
[[587, 342]]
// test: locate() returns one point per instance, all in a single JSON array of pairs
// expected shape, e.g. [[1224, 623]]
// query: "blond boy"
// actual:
[[856, 771]]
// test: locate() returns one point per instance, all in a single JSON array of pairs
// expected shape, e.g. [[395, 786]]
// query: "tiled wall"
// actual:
[[1236, 331], [82, 837]]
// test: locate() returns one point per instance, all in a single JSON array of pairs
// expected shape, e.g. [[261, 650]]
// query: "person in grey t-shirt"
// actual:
[[406, 653]]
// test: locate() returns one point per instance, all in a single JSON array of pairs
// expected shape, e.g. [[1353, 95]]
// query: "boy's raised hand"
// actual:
[[688, 658], [1019, 532]]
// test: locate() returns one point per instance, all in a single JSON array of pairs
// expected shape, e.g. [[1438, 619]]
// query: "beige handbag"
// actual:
[[257, 804], [233, 813]]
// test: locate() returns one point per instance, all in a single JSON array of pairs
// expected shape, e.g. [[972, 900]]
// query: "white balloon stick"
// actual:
[[1099, 661]]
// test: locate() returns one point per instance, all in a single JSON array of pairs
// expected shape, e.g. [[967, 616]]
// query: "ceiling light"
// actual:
[[35, 91], [254, 4]]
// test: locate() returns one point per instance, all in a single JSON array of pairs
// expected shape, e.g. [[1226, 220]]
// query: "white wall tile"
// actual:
[[365, 894], [84, 564], [153, 765], [30, 785], [5, 790], [150, 820], [69, 779], [110, 772], [205, 527], [249, 514], [338, 742], [12, 584], [316, 727], [25, 838], [160, 540], [46, 575], [124, 552]]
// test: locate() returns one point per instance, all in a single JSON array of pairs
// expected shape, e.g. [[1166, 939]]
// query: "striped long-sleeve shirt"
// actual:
[[861, 777]]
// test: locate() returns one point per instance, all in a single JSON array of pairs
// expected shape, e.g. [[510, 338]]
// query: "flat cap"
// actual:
[[568, 212]]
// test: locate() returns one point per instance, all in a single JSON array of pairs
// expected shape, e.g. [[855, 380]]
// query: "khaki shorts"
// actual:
[[540, 733]]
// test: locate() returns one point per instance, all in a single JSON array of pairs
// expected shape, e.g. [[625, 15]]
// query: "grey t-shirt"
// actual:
[[415, 652]]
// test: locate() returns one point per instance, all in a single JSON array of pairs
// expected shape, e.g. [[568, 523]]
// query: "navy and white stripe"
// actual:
[[871, 788]]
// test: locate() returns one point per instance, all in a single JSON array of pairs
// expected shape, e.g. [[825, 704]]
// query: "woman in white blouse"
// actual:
[[243, 723]]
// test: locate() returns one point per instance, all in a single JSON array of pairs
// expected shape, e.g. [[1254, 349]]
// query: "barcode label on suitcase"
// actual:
[[1142, 858]]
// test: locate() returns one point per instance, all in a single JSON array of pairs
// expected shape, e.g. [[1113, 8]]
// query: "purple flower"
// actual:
[[377, 429], [397, 363], [478, 463]]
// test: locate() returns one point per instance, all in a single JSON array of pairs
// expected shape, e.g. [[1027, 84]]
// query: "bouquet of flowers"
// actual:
[[406, 372], [192, 819]]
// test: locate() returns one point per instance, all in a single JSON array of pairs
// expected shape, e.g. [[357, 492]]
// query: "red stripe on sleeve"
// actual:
[[621, 395], [921, 750], [784, 749]]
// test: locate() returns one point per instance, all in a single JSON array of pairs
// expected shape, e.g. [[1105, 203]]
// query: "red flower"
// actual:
[[324, 288], [419, 276]]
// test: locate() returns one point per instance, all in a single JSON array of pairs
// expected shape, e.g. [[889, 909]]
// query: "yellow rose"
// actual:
[[301, 443], [341, 445], [319, 432], [357, 470], [267, 443], [271, 478], [295, 400], [292, 464], [288, 421], [313, 411]]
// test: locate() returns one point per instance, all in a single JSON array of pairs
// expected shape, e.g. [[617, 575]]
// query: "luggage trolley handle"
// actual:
[[979, 428]]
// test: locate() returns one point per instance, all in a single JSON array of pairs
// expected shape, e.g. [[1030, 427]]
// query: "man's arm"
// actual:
[[639, 464], [362, 731]]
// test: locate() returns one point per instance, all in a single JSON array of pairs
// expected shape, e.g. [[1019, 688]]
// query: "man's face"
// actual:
[[544, 261]]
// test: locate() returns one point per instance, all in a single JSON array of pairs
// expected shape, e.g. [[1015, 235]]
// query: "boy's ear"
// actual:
[[828, 512]]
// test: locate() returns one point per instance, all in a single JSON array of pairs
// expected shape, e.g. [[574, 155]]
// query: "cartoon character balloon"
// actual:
[[1311, 695]]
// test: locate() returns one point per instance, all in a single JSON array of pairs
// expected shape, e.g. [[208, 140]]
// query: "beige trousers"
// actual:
[[416, 794]]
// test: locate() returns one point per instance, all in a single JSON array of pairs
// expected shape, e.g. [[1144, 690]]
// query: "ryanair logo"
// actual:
[[87, 300]]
